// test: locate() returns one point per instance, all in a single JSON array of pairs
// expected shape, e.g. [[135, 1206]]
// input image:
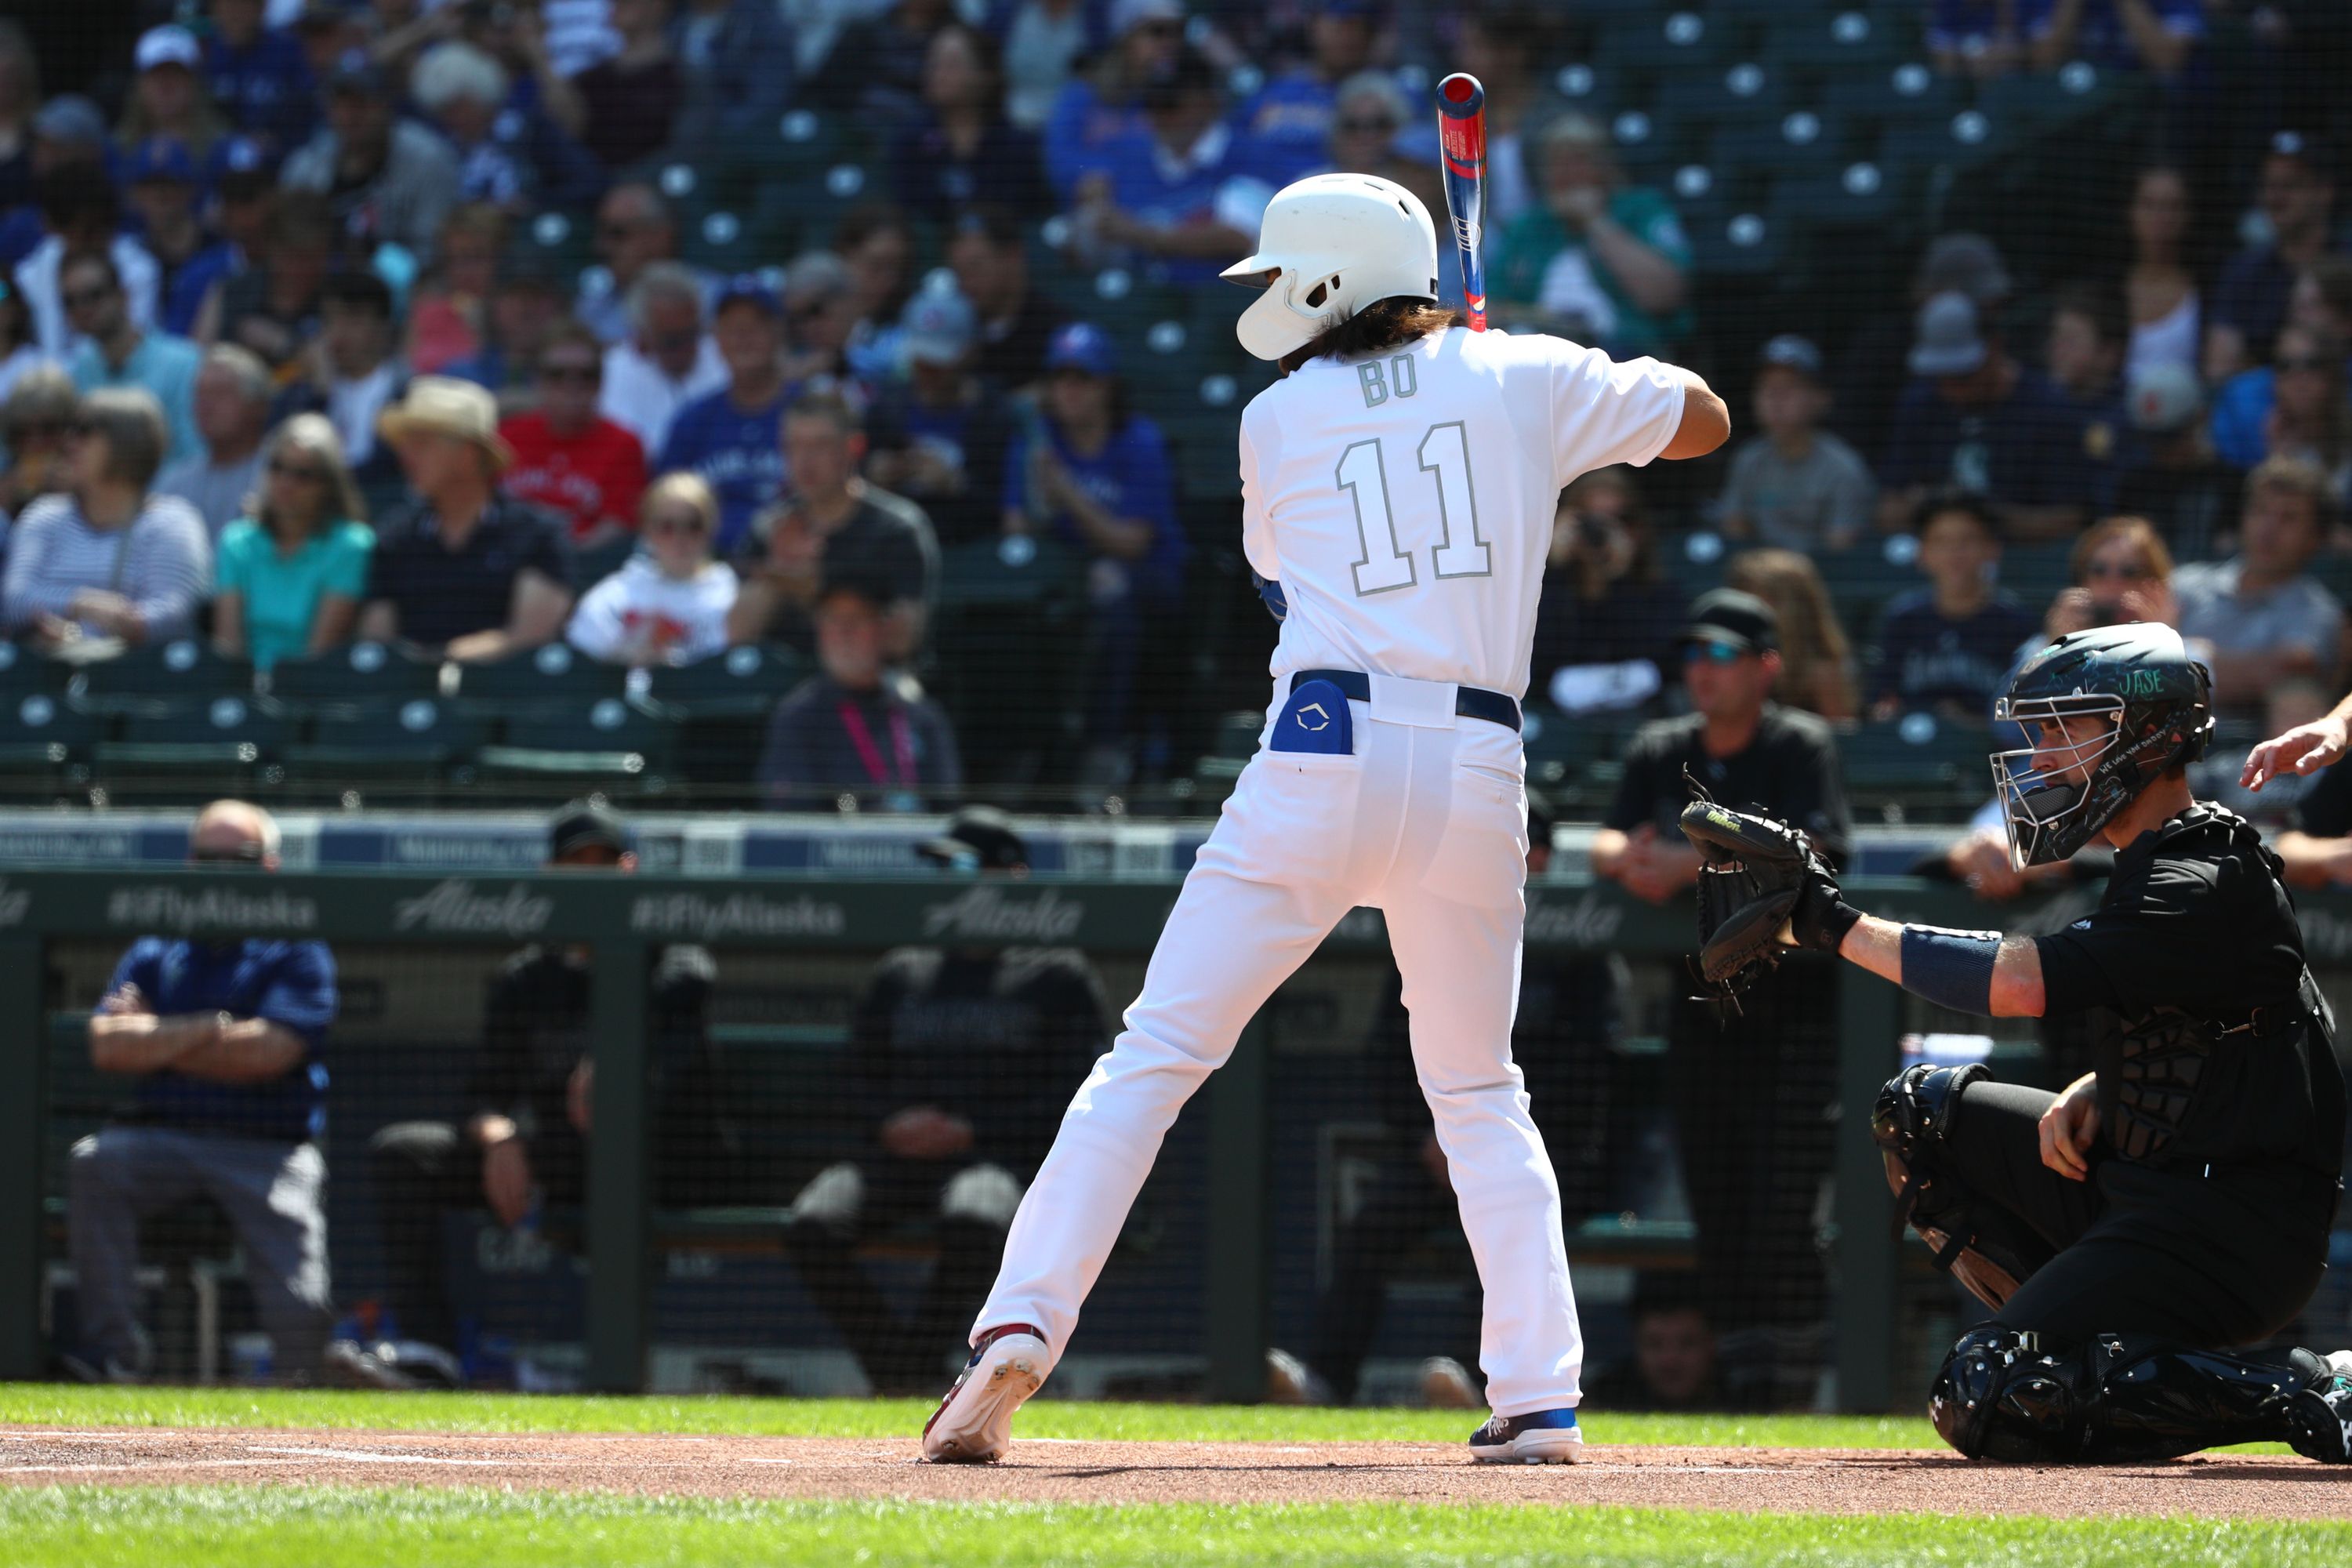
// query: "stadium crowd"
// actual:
[[658, 329]]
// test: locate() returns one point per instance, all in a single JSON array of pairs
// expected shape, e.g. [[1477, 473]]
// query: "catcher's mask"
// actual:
[[2154, 706]]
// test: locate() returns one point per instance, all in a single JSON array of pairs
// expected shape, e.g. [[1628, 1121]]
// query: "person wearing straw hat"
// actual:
[[461, 570]]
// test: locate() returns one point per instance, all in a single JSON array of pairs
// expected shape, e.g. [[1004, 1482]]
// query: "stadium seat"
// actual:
[[1561, 749], [1849, 41], [421, 741], [366, 675], [1165, 376], [1742, 246], [1909, 93], [229, 741], [1917, 761], [1858, 195], [2034, 572], [725, 241], [184, 673], [2048, 101], [44, 741], [556, 672], [807, 207], [1967, 140], [602, 743], [990, 573], [740, 681], [1680, 40], [553, 245], [23, 672], [1862, 579], [590, 567], [1796, 145], [1742, 92], [1589, 89]]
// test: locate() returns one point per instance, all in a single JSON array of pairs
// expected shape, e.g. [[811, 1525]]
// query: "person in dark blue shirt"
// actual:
[[1182, 190], [2297, 197], [1102, 106], [225, 1038], [1290, 118], [963, 150], [1948, 646], [732, 438], [1096, 477], [163, 186], [1975, 418], [260, 77]]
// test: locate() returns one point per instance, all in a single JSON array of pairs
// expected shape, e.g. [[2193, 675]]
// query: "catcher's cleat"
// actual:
[[2321, 1415], [1542, 1438], [973, 1424]]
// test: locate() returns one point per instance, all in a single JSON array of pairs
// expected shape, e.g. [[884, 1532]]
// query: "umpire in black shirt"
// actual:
[[1751, 1090], [2173, 1202]]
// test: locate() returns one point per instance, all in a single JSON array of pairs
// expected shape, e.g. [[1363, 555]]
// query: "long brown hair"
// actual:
[[1382, 324], [1816, 660]]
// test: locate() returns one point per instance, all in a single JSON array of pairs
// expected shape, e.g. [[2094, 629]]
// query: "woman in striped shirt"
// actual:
[[106, 558]]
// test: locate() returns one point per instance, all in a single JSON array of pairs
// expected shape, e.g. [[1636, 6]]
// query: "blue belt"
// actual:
[[1469, 701]]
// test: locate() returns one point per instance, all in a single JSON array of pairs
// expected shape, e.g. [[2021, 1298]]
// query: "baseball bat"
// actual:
[[1462, 136]]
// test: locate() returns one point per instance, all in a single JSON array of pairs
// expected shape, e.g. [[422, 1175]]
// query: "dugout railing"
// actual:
[[622, 919]]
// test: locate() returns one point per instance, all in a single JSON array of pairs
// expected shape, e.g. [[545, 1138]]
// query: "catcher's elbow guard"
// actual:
[[1950, 968]]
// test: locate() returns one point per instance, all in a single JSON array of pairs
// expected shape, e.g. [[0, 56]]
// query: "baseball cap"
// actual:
[[1947, 343], [749, 288], [980, 838], [2164, 399], [817, 274], [1083, 346], [160, 158], [940, 325], [1790, 351], [585, 824], [2303, 148], [69, 117], [1727, 615], [169, 45], [1966, 264]]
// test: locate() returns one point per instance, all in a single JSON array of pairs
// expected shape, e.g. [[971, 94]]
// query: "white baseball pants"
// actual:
[[1427, 822]]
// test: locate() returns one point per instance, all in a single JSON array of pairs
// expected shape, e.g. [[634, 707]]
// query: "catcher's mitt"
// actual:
[[1753, 870]]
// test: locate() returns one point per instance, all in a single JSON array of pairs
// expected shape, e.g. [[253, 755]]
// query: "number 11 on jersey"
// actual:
[[1444, 453]]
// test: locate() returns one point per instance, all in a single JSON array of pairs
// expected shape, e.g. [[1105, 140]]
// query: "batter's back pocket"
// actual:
[[1315, 721]]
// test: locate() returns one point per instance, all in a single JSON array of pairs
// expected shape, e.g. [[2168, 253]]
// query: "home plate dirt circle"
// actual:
[[1832, 1481]]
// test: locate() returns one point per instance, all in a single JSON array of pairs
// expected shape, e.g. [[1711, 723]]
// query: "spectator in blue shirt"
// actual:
[[1948, 646], [1096, 478], [736, 57], [224, 1039], [163, 184], [963, 150], [1104, 105], [2320, 303], [1975, 418], [731, 438], [2297, 197], [1181, 192], [2154, 35], [259, 77], [938, 435], [1290, 118], [168, 97]]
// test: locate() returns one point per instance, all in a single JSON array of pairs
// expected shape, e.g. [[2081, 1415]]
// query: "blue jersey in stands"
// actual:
[[1129, 479], [290, 983], [741, 456]]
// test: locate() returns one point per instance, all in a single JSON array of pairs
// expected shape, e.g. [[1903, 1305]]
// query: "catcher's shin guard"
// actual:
[[1973, 1241], [2114, 1400]]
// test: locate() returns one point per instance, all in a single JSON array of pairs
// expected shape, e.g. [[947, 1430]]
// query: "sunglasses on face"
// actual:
[[2128, 571], [800, 314], [615, 230], [76, 299], [1712, 652], [280, 469], [679, 524], [247, 853]]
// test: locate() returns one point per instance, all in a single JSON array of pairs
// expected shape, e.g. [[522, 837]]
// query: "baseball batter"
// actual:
[[1398, 493]]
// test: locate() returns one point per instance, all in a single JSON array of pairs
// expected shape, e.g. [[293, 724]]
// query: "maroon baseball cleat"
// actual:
[[973, 1424]]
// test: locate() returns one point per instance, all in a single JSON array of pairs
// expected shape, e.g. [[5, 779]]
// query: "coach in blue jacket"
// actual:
[[224, 1038]]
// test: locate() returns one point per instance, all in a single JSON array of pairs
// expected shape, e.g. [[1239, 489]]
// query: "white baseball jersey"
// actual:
[[1405, 500]]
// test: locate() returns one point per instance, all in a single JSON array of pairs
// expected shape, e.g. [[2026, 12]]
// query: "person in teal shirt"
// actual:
[[116, 351], [291, 577], [1594, 260]]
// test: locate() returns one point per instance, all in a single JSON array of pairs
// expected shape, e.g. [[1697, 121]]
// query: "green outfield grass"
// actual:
[[61, 1405], [280, 1527]]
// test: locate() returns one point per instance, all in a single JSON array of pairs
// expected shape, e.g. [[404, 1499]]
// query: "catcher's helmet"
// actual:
[[1330, 245], [2160, 701]]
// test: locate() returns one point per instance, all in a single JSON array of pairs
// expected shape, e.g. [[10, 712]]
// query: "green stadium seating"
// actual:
[[1742, 246], [1862, 579], [230, 739], [44, 743], [1906, 94], [1745, 91], [1968, 140], [1665, 39], [421, 741], [741, 681], [181, 674], [1858, 195], [1918, 760], [2048, 101], [1797, 145], [1845, 42], [23, 672], [366, 675], [2034, 572], [605, 743], [554, 673]]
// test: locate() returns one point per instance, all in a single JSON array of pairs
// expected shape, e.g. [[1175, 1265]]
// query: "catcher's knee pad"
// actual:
[[1973, 1242], [2114, 1398]]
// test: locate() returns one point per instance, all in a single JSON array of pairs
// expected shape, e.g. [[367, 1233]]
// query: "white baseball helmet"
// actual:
[[1329, 245]]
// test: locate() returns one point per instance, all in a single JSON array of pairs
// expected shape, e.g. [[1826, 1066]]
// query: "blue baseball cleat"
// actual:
[[1541, 1437]]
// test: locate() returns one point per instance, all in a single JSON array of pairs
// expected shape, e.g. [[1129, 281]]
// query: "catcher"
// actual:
[[2168, 1206]]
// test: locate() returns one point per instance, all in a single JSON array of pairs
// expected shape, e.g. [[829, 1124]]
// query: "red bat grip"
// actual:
[[1461, 137]]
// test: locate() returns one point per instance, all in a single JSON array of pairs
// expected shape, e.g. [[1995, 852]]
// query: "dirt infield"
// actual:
[[1049, 1470]]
